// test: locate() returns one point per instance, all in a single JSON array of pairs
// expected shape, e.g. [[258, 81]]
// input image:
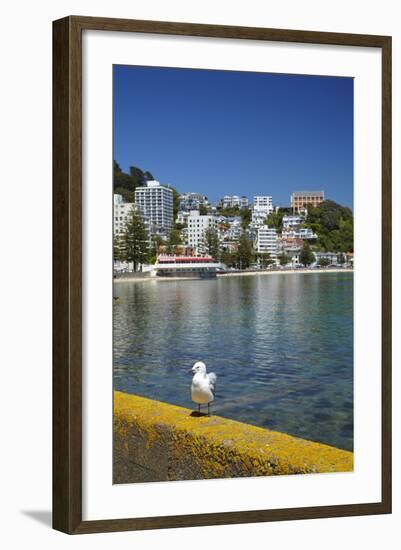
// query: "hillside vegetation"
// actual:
[[334, 225], [125, 183]]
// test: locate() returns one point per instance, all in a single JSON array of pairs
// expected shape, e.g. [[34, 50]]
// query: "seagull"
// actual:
[[203, 385]]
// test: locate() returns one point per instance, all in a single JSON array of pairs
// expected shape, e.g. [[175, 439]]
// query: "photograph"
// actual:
[[232, 269]]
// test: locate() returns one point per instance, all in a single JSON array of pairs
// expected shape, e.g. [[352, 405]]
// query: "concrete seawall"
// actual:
[[155, 441], [132, 276]]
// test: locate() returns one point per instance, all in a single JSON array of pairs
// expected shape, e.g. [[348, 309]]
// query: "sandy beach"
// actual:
[[141, 278]]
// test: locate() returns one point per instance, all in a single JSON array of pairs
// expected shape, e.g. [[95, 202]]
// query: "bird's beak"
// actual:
[[190, 371]]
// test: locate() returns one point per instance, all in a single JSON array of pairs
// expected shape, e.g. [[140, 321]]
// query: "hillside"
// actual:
[[334, 225]]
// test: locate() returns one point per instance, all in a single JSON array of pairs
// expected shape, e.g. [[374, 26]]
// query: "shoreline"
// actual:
[[288, 272], [232, 274]]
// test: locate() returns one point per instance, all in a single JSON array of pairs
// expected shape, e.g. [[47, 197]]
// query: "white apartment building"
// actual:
[[263, 202], [197, 225], [230, 227], [266, 241], [156, 203], [233, 201], [191, 201], [244, 202], [121, 215], [303, 233], [291, 221], [234, 231], [306, 233], [262, 207], [182, 217]]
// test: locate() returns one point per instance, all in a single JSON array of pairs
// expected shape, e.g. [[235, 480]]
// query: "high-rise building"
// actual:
[[197, 226], [302, 199], [156, 203], [266, 241]]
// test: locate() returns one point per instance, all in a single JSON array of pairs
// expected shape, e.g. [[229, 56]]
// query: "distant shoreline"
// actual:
[[287, 271], [141, 278]]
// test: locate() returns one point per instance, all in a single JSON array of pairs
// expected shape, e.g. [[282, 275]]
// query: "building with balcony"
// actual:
[[155, 201], [262, 207], [234, 201], [303, 199], [191, 201], [266, 241], [197, 226], [290, 222], [304, 233]]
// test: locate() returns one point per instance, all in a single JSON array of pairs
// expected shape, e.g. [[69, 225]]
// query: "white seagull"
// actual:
[[203, 385]]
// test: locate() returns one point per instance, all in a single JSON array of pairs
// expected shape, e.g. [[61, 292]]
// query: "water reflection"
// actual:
[[282, 347]]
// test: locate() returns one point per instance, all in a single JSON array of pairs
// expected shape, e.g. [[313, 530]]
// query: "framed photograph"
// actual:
[[222, 274]]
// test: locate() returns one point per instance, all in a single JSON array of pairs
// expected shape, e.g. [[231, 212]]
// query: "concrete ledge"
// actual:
[[155, 441], [131, 276]]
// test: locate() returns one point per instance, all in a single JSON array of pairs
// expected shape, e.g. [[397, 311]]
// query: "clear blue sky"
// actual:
[[241, 133]]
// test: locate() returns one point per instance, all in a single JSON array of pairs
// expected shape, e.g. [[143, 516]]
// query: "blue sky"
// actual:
[[242, 133]]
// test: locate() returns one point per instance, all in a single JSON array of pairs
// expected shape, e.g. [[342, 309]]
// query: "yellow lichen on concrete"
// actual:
[[201, 447]]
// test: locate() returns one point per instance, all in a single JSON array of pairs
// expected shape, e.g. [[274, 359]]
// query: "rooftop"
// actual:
[[307, 193]]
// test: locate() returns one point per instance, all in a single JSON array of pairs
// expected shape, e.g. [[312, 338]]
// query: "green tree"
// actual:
[[245, 253], [275, 219], [284, 259], [264, 259], [306, 256], [324, 262], [118, 248], [174, 240], [333, 224], [135, 242], [125, 184], [230, 211], [139, 175], [229, 258], [211, 243], [341, 258], [176, 202], [346, 230], [128, 196], [246, 216], [203, 209], [180, 226], [157, 242], [175, 237]]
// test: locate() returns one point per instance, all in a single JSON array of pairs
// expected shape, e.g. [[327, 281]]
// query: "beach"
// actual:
[[140, 277]]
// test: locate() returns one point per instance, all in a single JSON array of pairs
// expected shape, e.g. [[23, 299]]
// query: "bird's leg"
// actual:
[[198, 408], [208, 409]]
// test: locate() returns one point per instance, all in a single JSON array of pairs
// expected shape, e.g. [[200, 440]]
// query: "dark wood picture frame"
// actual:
[[67, 274]]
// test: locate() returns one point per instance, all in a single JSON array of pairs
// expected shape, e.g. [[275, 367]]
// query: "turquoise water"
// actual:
[[281, 346]]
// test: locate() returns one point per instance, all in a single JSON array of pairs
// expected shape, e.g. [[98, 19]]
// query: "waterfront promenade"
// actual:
[[143, 277]]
